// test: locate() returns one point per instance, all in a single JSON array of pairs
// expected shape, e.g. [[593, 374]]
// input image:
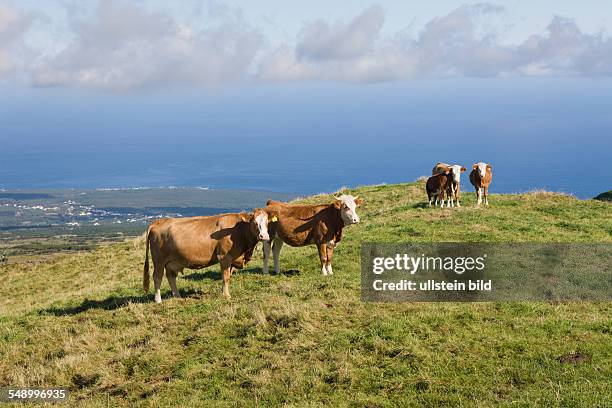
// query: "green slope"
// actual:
[[302, 339]]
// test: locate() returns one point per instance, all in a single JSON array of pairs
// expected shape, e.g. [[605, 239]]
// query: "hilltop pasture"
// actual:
[[82, 321]]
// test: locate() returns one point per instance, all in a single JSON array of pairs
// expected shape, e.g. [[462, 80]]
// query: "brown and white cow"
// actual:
[[480, 177], [456, 180], [438, 186], [300, 225], [198, 242]]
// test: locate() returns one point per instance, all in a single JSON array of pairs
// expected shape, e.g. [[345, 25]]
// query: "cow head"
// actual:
[[456, 171], [258, 223], [347, 204], [481, 168]]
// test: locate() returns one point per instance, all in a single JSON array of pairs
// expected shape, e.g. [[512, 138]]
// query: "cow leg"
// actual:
[[478, 196], [323, 257], [266, 256], [441, 199], [429, 198], [171, 274], [486, 195], [330, 255], [226, 271], [158, 274], [457, 196], [276, 248]]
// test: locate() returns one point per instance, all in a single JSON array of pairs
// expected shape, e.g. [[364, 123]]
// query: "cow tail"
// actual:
[[145, 276]]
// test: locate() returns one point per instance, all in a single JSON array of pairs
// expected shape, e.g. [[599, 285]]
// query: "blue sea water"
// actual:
[[311, 138]]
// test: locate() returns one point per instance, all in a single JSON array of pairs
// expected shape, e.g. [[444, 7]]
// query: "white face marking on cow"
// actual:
[[482, 169], [456, 173], [262, 226], [348, 209]]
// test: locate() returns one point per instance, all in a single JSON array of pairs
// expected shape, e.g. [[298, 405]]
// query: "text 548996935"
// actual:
[[9, 394]]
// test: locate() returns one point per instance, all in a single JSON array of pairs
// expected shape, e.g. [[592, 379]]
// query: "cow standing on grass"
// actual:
[[438, 186], [300, 225], [480, 177], [456, 179], [198, 242]]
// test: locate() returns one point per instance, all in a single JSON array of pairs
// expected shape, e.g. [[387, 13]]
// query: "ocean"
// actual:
[[313, 138]]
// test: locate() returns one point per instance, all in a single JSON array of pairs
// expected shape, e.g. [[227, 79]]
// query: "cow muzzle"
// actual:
[[264, 237]]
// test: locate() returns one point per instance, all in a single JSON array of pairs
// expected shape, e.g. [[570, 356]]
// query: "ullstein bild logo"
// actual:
[[459, 272]]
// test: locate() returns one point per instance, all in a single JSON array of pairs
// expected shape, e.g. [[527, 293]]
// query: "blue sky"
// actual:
[[120, 93]]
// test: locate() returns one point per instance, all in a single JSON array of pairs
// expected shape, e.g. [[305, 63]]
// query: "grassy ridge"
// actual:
[[301, 339]]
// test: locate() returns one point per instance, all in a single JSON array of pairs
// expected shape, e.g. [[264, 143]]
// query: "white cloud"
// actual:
[[565, 50], [12, 27], [124, 46], [121, 45], [319, 41], [448, 46]]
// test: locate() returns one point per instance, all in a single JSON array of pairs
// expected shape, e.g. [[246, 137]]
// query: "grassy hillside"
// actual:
[[302, 339]]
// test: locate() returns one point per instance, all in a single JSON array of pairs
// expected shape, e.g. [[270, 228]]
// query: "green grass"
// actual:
[[301, 339]]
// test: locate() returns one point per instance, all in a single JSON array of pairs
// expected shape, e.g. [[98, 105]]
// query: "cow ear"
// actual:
[[337, 203], [245, 216], [489, 167], [358, 201], [463, 169], [474, 166], [272, 216]]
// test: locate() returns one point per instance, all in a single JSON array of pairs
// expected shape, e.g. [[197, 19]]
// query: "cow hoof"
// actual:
[[227, 296], [158, 301]]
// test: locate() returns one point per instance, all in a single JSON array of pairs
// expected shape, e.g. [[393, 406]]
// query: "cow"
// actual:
[[456, 181], [198, 242], [438, 186], [301, 225], [480, 177]]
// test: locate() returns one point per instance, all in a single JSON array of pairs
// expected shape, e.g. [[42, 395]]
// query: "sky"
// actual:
[[122, 45], [86, 86]]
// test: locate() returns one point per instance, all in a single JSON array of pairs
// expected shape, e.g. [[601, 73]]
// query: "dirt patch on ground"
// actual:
[[574, 358]]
